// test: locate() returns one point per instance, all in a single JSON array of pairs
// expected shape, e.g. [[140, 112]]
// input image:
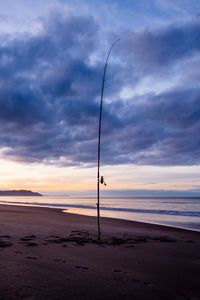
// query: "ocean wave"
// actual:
[[104, 208]]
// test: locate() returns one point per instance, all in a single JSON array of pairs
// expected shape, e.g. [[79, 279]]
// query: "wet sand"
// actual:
[[48, 254]]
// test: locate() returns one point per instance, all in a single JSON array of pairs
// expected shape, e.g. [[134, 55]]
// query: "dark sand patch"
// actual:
[[31, 257]]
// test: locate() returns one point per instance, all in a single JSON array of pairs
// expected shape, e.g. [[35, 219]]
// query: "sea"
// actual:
[[174, 212]]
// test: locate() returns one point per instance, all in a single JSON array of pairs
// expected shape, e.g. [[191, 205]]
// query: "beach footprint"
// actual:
[[27, 238], [5, 241], [82, 267], [32, 244]]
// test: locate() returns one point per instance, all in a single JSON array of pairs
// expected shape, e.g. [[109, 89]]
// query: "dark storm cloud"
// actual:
[[162, 129], [49, 96], [152, 50]]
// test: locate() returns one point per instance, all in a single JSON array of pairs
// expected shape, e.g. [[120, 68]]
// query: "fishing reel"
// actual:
[[102, 181]]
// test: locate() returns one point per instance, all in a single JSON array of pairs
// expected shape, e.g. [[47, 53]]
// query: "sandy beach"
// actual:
[[48, 254]]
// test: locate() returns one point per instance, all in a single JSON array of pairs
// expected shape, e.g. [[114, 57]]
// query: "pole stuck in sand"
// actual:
[[99, 142]]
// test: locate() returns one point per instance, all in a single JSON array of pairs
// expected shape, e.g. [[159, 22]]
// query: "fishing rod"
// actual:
[[99, 141]]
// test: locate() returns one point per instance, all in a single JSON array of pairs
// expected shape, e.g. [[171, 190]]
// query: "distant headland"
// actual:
[[19, 193]]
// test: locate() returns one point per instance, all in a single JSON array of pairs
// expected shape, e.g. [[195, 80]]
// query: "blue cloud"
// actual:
[[161, 48], [50, 86]]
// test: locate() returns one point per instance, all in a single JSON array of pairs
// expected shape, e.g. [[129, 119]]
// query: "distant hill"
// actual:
[[19, 193]]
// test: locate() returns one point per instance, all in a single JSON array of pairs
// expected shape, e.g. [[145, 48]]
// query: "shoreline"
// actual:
[[48, 254], [134, 221], [102, 217]]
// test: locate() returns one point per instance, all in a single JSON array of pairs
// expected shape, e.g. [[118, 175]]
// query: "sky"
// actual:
[[52, 55]]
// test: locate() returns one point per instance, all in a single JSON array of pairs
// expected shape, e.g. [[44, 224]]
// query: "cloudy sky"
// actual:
[[52, 56]]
